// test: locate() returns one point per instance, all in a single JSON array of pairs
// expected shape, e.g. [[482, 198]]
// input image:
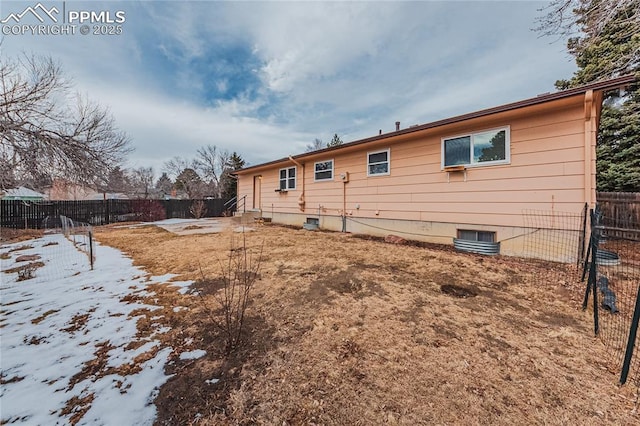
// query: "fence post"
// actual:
[[593, 278], [633, 333], [107, 213], [581, 256], [587, 262], [91, 248], [591, 262]]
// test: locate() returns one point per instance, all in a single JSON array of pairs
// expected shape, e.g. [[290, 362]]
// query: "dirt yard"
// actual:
[[346, 330]]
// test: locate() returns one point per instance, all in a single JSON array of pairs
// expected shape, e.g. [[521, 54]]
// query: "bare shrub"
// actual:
[[26, 272], [148, 210], [232, 292], [198, 209]]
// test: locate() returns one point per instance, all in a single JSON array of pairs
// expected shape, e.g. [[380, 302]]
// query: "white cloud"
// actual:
[[163, 127], [325, 67]]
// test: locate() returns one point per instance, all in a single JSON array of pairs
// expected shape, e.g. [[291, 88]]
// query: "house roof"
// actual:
[[108, 196], [597, 86], [22, 192]]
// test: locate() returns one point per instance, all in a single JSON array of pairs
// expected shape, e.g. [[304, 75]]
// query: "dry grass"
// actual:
[[344, 330], [25, 272], [9, 235]]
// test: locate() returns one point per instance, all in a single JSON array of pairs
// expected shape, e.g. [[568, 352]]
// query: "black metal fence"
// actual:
[[611, 270], [595, 255], [20, 214]]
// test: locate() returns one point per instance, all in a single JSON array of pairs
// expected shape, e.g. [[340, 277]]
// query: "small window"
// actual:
[[378, 163], [287, 179], [471, 235], [323, 171], [480, 148]]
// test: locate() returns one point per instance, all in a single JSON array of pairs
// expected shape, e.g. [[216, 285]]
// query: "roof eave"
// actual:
[[597, 86]]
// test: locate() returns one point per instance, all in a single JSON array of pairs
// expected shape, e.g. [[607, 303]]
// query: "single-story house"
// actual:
[[22, 193], [62, 190], [465, 177]]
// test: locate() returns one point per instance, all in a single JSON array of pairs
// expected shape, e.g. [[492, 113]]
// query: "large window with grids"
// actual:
[[288, 179]]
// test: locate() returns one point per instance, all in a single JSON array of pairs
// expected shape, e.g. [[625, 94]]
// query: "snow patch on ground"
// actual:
[[55, 322], [198, 353]]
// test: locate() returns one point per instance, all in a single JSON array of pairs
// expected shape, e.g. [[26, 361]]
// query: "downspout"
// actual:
[[345, 179], [591, 113], [301, 201], [344, 206]]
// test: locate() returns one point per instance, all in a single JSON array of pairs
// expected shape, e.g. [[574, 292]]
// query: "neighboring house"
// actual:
[[469, 176], [64, 190], [22, 193], [107, 196]]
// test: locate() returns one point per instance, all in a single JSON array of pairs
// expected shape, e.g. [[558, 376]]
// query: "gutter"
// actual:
[[598, 86]]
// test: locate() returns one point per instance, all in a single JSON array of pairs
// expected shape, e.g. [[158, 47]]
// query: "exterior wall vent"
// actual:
[[481, 242], [311, 224]]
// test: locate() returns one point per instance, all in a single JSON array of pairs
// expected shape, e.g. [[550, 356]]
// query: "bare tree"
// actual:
[[212, 164], [176, 165], [186, 177], [47, 131], [564, 17], [315, 145], [141, 180]]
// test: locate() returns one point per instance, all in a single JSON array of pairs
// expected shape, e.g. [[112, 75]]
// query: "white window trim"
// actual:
[[325, 179], [295, 179], [507, 148], [388, 151]]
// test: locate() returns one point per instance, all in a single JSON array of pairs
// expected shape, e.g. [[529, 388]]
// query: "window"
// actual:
[[323, 171], [287, 179], [488, 147], [470, 235], [378, 163]]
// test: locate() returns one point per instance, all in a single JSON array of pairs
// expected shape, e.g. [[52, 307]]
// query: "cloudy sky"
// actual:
[[266, 78]]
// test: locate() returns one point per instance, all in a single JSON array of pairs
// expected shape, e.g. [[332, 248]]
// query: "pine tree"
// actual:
[[190, 182], [229, 182], [335, 141], [164, 184], [607, 51]]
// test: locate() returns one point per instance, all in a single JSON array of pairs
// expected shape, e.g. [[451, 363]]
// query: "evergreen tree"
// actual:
[[229, 182], [117, 181], [607, 50], [335, 141], [164, 184], [190, 182]]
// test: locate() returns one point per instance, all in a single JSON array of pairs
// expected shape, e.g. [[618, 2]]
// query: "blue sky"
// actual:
[[266, 78]]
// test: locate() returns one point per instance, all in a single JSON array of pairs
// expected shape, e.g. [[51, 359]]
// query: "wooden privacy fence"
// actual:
[[621, 212], [44, 214]]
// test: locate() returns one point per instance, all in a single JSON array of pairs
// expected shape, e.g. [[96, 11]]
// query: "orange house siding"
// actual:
[[551, 168]]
